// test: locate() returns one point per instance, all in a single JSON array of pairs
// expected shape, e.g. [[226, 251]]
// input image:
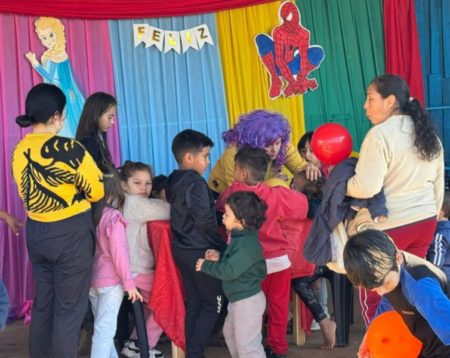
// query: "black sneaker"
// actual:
[[130, 349]]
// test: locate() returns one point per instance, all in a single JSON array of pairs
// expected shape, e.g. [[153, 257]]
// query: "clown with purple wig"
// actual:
[[258, 129]]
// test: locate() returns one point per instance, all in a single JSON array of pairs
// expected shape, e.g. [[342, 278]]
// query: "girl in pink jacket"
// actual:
[[111, 274]]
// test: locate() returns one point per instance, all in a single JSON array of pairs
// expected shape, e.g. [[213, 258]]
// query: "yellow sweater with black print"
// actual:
[[56, 177]]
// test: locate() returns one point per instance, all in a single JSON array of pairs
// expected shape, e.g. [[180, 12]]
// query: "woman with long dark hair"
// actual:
[[97, 118], [402, 155]]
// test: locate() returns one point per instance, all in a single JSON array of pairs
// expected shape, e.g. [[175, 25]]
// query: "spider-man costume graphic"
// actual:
[[288, 55]]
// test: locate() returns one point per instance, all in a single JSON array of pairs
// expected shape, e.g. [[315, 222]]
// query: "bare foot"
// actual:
[[328, 328]]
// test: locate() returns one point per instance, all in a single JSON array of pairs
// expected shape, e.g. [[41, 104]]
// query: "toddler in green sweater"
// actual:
[[241, 268]]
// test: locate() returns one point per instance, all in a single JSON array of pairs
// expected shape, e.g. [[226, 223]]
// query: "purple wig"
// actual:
[[259, 129]]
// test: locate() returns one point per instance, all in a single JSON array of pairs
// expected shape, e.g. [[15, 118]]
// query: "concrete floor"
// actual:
[[14, 343]]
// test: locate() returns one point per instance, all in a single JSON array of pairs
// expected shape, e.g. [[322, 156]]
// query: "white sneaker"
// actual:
[[315, 326], [130, 349], [154, 353]]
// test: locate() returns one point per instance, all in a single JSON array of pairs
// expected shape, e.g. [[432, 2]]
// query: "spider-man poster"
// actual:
[[288, 56]]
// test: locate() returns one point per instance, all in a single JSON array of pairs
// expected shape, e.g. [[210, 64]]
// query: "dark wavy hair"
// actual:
[[313, 189], [259, 129], [368, 257], [158, 185], [43, 101], [248, 208], [426, 141]]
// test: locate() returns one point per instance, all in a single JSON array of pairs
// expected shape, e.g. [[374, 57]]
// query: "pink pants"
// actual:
[[144, 282], [414, 238]]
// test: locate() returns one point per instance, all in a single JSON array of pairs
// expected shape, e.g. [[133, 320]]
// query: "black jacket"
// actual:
[[99, 151], [336, 207], [192, 212]]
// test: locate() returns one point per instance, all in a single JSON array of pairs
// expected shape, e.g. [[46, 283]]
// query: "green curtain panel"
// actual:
[[351, 33]]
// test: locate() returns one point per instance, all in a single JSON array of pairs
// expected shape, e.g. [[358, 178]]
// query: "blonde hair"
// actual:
[[57, 26]]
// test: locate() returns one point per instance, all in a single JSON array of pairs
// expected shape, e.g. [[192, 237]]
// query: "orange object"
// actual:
[[389, 337]]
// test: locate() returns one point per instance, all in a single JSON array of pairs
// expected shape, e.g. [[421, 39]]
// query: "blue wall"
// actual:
[[433, 20]]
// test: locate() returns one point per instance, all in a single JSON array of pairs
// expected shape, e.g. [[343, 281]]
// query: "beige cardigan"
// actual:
[[414, 188], [138, 210]]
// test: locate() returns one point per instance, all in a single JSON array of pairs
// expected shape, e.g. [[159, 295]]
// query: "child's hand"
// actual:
[[312, 172], [134, 295], [363, 352], [198, 265], [212, 255], [13, 223]]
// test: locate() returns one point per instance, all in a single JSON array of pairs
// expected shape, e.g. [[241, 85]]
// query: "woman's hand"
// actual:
[[312, 172], [198, 265], [31, 56], [212, 255], [363, 352], [134, 295]]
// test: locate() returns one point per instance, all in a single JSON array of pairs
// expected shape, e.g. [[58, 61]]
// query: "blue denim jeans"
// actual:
[[105, 304]]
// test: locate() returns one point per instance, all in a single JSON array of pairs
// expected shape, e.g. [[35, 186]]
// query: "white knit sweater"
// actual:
[[414, 188], [138, 210]]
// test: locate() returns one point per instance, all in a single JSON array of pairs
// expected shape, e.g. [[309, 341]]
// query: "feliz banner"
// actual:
[[165, 40]]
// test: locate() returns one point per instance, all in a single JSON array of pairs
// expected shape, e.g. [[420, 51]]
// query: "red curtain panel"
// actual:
[[119, 9], [401, 41]]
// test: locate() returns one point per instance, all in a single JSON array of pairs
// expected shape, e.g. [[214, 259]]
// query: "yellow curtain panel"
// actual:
[[246, 80]]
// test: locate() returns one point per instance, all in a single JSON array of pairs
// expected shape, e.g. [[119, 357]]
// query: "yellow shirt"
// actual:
[[56, 177], [222, 174]]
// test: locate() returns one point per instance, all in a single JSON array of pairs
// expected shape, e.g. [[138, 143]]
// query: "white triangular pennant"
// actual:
[[203, 35], [172, 41], [140, 33], [155, 38], [188, 39]]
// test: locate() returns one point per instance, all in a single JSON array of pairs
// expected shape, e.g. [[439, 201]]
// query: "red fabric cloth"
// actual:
[[402, 53], [119, 9], [296, 233], [166, 298]]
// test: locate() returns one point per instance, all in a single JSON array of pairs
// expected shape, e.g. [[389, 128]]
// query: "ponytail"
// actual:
[[426, 142], [25, 120]]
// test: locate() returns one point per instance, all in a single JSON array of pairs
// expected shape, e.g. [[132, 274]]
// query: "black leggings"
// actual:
[[302, 286]]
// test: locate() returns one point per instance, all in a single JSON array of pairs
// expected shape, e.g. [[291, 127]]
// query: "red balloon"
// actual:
[[389, 337], [331, 143]]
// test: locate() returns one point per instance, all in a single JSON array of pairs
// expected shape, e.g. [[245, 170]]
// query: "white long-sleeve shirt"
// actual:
[[414, 187]]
